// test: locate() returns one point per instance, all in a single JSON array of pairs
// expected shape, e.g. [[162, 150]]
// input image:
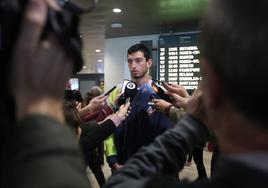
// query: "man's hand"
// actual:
[[40, 68], [161, 104], [97, 102], [178, 93], [94, 105], [177, 89], [123, 111], [116, 167], [195, 106]]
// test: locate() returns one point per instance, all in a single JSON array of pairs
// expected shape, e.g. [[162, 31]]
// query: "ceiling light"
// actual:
[[116, 25], [117, 10], [98, 50], [84, 67], [99, 60]]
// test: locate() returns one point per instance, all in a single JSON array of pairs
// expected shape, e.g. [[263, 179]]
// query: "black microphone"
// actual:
[[129, 91]]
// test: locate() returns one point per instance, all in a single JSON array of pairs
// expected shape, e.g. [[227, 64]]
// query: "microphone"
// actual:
[[129, 90]]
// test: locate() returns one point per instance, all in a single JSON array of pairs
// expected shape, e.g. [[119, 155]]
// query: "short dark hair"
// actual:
[[91, 94], [71, 115], [141, 48], [73, 95], [234, 41]]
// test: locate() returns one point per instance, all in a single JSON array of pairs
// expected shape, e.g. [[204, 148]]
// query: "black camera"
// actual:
[[63, 24]]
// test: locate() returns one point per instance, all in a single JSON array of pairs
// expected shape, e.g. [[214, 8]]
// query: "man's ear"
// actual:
[[211, 85], [149, 63]]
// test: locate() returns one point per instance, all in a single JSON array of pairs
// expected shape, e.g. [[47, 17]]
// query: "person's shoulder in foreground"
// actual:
[[44, 153]]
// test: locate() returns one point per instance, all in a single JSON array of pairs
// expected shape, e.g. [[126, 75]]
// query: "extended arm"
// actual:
[[166, 155]]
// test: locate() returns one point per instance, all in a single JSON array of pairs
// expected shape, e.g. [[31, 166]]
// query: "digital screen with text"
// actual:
[[178, 56]]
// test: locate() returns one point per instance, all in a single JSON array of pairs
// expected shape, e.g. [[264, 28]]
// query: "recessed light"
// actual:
[[98, 50], [99, 60], [84, 67], [117, 10], [116, 25]]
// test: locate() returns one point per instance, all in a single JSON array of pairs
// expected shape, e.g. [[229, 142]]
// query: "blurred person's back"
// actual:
[[37, 149]]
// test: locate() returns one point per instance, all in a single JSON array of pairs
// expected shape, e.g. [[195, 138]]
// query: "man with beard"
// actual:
[[144, 123]]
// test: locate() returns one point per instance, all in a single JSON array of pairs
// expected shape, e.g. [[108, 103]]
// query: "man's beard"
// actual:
[[140, 76]]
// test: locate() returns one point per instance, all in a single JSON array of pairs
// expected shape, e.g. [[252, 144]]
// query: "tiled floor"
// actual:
[[189, 172]]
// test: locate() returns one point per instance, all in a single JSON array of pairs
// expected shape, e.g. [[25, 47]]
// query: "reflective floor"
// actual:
[[189, 172]]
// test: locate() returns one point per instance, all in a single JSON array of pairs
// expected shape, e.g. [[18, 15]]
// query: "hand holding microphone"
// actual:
[[129, 90]]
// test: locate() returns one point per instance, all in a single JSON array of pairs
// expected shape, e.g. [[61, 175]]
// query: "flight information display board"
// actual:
[[179, 59]]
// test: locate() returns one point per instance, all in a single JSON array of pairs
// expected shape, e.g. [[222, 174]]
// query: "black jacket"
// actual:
[[94, 134], [156, 165], [92, 138]]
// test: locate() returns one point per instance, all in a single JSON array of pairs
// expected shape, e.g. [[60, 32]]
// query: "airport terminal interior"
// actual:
[[169, 28], [110, 93], [114, 25]]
